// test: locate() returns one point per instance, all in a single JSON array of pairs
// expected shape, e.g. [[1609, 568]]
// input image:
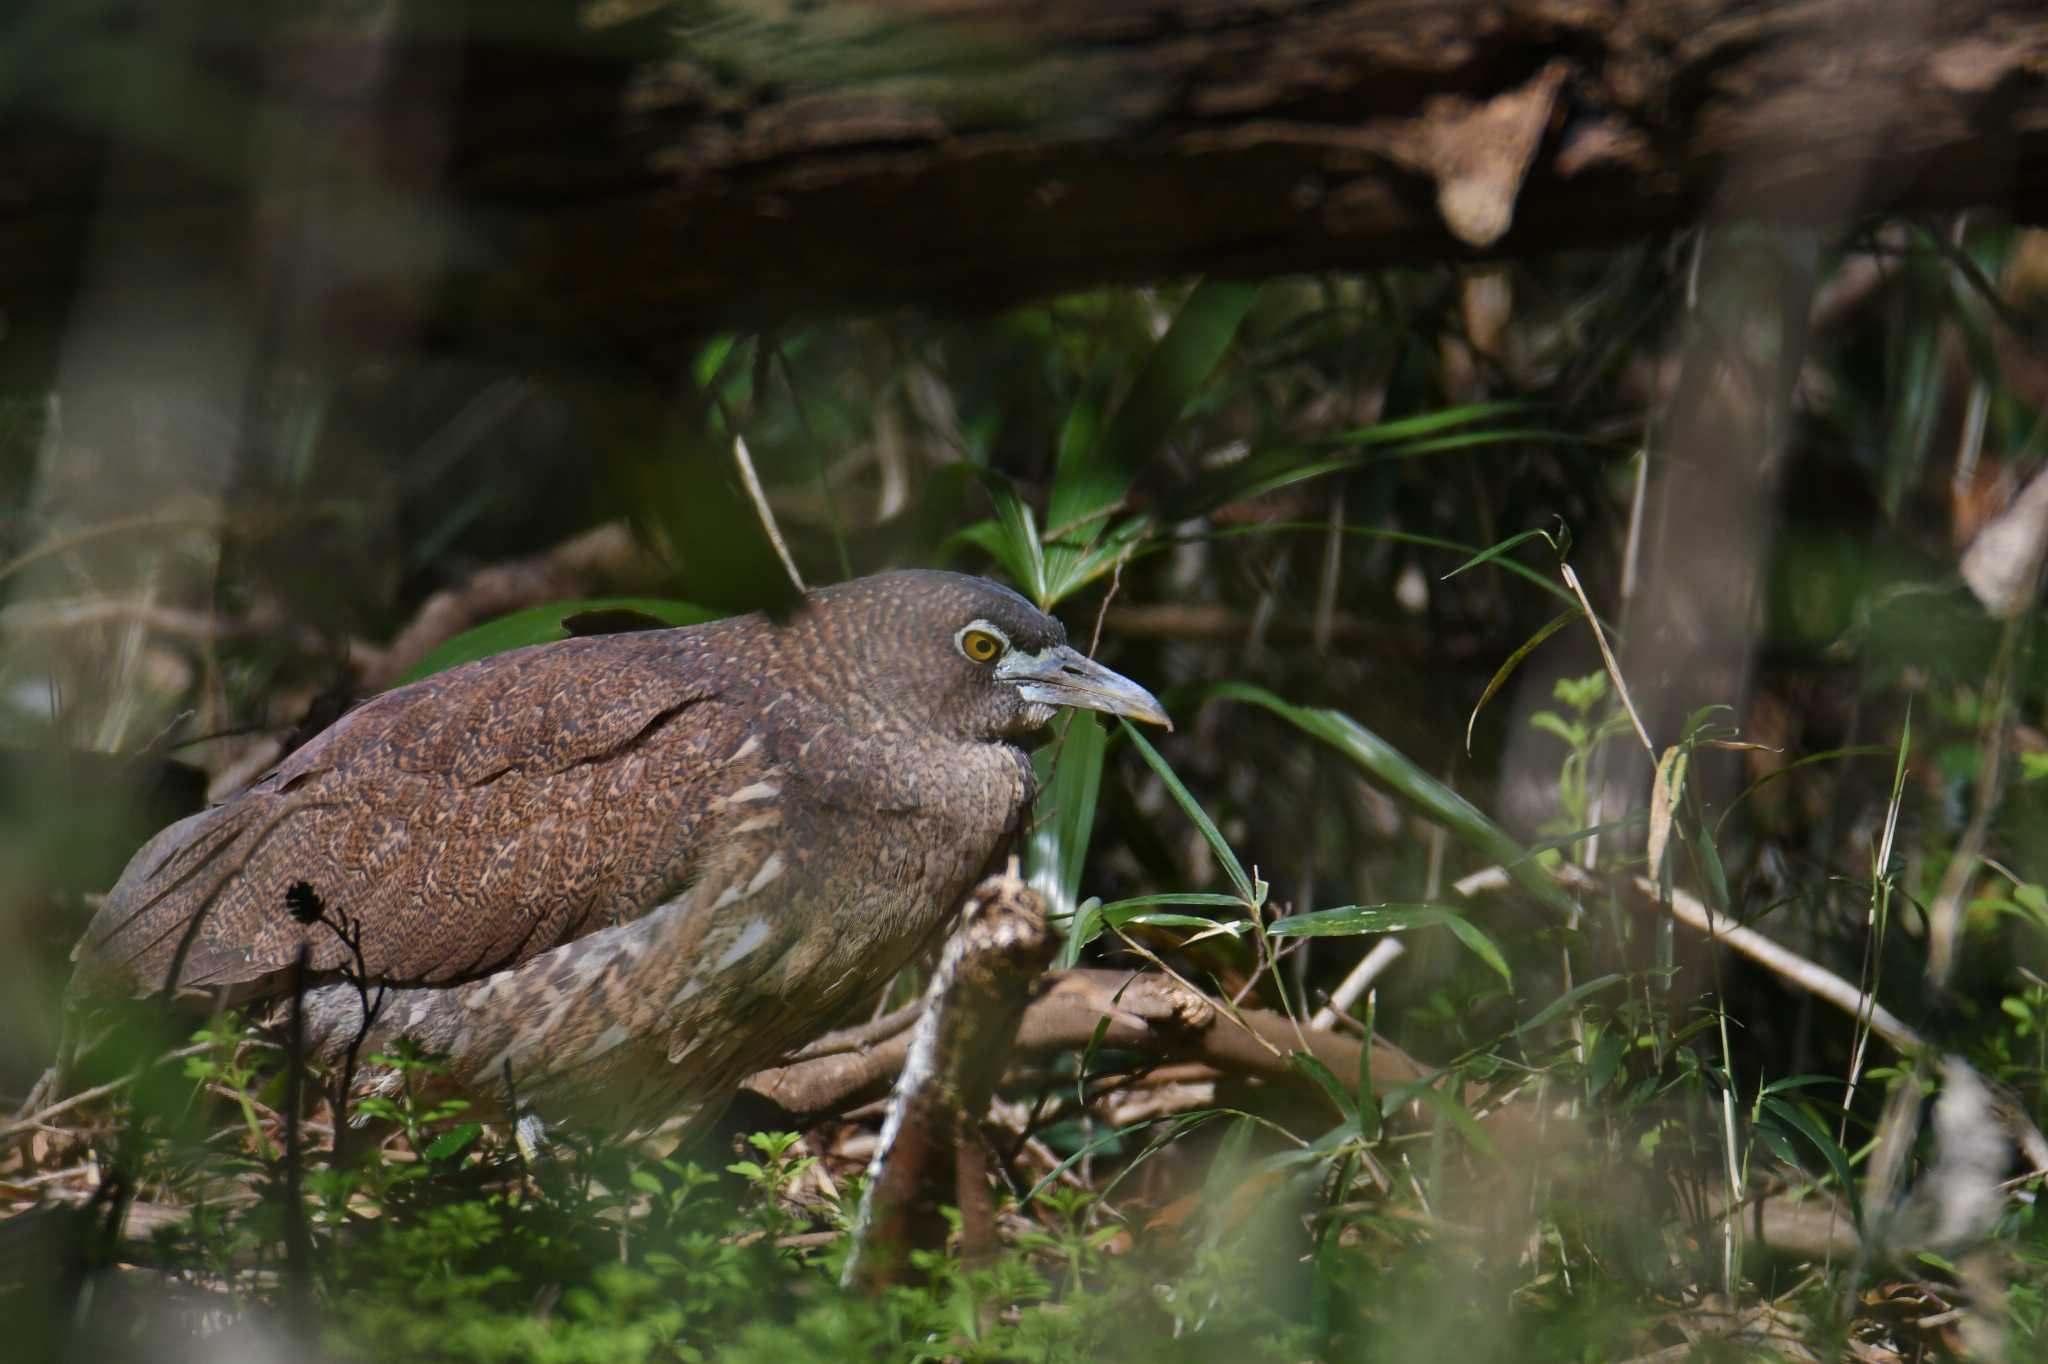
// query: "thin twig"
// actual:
[[1383, 955], [1694, 913], [752, 482], [1116, 580], [208, 518], [1571, 580], [298, 1237]]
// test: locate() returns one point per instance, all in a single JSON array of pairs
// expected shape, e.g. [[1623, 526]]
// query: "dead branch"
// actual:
[[1147, 1013], [950, 1069], [710, 164]]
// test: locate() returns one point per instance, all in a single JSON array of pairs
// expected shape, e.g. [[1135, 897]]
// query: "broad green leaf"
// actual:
[[1086, 487], [1118, 911], [1386, 763], [453, 1140], [540, 624], [1426, 423], [1802, 1122], [712, 357], [1195, 342], [1607, 1054], [1801, 1082], [1065, 817], [1067, 572], [1481, 946], [1775, 1138], [1098, 461]]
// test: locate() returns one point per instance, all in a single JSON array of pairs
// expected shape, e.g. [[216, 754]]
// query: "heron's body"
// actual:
[[608, 877]]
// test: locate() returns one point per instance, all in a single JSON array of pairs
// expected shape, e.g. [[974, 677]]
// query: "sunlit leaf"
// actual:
[[1093, 917], [1349, 920], [1065, 816], [541, 624], [453, 1140]]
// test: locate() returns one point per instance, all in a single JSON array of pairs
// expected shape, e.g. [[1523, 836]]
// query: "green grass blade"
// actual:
[[1802, 1122], [1194, 344], [1514, 661], [1065, 816], [1511, 543], [1399, 537], [1568, 1000], [1388, 765], [1192, 808], [1427, 423], [1345, 1104], [1012, 538], [1347, 921], [1350, 920]]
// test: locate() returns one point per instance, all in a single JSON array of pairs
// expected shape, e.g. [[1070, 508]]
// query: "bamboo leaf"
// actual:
[[1567, 1000], [1065, 816], [1346, 1104], [1186, 355], [1802, 1122], [1350, 920], [1514, 661], [1353, 920], [1193, 810], [1512, 542], [542, 624], [1387, 764]]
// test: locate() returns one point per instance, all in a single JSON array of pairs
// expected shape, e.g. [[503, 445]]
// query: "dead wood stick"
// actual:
[[954, 1057], [1147, 1013]]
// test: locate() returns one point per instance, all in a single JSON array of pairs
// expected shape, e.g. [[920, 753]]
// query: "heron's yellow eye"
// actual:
[[980, 645]]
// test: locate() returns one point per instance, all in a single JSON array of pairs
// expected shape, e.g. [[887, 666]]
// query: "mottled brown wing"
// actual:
[[456, 826]]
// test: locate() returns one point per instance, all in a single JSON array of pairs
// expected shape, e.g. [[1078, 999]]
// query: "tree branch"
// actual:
[[643, 172]]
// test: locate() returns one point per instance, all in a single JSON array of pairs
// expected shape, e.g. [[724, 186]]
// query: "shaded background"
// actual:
[[333, 330]]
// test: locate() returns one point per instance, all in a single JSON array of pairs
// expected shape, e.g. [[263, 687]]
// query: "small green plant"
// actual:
[[1582, 733]]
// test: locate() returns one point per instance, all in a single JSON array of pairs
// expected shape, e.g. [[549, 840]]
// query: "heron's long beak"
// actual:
[[1062, 676]]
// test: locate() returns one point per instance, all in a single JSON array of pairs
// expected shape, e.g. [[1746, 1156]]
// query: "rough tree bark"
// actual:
[[635, 170]]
